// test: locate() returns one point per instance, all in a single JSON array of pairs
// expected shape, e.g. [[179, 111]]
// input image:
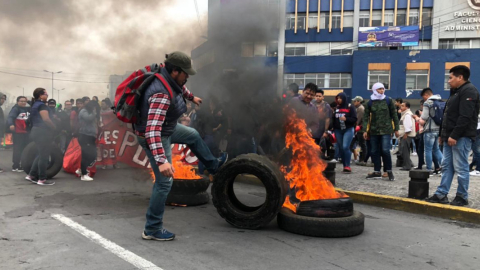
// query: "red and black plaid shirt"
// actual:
[[159, 104]]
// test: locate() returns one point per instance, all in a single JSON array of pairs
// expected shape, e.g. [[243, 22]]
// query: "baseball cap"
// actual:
[[52, 101], [358, 98], [182, 61]]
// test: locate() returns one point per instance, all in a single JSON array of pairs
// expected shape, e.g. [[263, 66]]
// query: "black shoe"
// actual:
[[374, 175], [459, 201], [418, 168], [436, 199], [391, 177]]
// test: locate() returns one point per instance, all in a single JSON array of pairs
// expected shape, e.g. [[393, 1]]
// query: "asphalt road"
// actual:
[[113, 206]]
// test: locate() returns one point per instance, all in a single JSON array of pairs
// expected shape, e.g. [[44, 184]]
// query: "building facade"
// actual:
[[318, 41]]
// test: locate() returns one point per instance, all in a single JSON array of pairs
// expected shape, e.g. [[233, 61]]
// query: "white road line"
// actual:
[[126, 255]]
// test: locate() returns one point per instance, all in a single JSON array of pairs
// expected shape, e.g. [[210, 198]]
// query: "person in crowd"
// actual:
[[64, 126], [74, 117], [95, 98], [357, 102], [305, 109], [344, 121], [419, 142], [324, 116], [106, 106], [383, 121], [87, 136], [431, 129], [398, 104], [457, 133], [72, 101], [85, 100], [292, 91], [42, 132], [157, 127], [18, 126], [406, 134], [3, 97]]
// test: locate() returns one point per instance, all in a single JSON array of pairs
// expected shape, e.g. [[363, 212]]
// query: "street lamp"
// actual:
[[23, 89], [52, 77], [58, 94]]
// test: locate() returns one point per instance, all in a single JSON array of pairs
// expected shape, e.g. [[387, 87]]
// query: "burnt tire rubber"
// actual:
[[189, 186], [55, 159], [342, 207], [321, 227], [188, 199], [237, 213]]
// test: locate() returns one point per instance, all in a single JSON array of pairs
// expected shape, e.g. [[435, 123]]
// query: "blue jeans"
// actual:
[[476, 152], [381, 149], [163, 184], [455, 160], [344, 139], [431, 149]]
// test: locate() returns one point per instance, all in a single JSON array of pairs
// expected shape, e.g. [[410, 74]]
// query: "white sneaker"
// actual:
[[475, 173], [414, 153], [78, 172], [86, 178]]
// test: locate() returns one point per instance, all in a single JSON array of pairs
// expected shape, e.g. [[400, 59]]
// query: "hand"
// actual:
[[365, 136], [405, 136], [452, 142], [197, 101], [440, 141], [325, 134], [12, 128], [166, 169], [396, 133], [343, 118]]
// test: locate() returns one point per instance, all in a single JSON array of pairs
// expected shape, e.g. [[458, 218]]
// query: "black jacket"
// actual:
[[347, 110], [461, 113]]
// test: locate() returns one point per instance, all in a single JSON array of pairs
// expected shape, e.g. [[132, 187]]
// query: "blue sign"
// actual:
[[388, 36]]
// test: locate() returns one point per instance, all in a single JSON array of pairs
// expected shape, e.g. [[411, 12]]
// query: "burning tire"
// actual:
[[321, 227], [342, 207], [54, 164], [189, 186], [188, 199], [237, 213]]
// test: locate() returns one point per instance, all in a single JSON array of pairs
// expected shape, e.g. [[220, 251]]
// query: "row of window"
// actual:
[[364, 19], [322, 80], [262, 48], [415, 79]]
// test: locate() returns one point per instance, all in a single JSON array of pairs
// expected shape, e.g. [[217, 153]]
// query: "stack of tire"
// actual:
[[55, 160], [322, 218], [189, 192]]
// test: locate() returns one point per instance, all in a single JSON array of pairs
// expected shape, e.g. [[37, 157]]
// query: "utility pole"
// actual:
[[52, 77]]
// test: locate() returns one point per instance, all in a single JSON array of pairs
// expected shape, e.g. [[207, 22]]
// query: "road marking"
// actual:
[[124, 254]]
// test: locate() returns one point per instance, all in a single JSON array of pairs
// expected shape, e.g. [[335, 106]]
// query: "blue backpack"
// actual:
[[438, 108]]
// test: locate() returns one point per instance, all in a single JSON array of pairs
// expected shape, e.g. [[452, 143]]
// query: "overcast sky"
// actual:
[[89, 40]]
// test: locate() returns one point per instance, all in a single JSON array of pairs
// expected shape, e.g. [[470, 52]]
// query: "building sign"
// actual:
[[388, 36], [466, 20]]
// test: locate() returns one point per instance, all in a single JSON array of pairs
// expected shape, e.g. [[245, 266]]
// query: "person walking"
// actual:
[[379, 122], [457, 133], [324, 117], [157, 129], [42, 132], [431, 129], [344, 121], [17, 124], [87, 136], [357, 102], [406, 134]]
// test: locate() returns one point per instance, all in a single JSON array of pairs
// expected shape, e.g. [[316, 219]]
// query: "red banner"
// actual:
[[118, 143]]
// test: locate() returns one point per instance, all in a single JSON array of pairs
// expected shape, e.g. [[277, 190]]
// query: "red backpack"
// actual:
[[129, 92]]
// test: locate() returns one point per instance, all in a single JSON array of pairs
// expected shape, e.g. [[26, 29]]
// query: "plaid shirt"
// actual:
[[159, 104]]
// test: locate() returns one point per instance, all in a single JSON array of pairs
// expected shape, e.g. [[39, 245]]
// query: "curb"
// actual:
[[416, 206]]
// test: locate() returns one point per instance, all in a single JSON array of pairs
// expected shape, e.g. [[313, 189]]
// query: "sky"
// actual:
[[89, 40]]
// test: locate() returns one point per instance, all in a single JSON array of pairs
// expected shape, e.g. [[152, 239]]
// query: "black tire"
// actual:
[[189, 187], [188, 199], [321, 227], [235, 212], [330, 176], [342, 207], [55, 161]]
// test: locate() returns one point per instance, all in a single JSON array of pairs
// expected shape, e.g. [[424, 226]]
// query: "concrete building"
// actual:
[[321, 41]]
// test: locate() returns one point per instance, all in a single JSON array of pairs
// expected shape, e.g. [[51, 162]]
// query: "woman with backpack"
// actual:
[[87, 138], [42, 134], [17, 123], [344, 121]]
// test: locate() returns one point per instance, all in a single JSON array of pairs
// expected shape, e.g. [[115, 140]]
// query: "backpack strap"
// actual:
[[165, 83]]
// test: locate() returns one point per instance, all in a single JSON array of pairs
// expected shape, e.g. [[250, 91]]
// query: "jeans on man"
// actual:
[[43, 141], [455, 160], [163, 184], [404, 153], [20, 140], [381, 149], [432, 151], [344, 139], [476, 152]]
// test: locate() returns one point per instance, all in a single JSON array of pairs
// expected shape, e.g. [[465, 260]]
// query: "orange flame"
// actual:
[[182, 171], [305, 171], [8, 139]]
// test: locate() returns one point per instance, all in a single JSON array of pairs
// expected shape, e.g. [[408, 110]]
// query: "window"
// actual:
[[322, 80], [272, 50], [413, 17], [300, 21], [364, 20], [447, 77], [290, 21], [295, 49], [342, 80], [347, 19], [377, 18], [382, 76], [401, 17], [324, 20], [260, 49], [336, 20], [247, 49], [312, 21], [417, 79], [426, 16], [454, 44], [389, 18], [341, 52]]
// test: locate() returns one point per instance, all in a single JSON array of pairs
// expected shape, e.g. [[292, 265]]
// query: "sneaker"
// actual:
[[385, 175], [86, 177], [45, 183], [475, 173], [418, 168], [222, 159], [347, 170], [162, 235], [334, 161], [31, 179], [14, 170], [78, 172], [360, 163], [414, 153], [432, 173], [20, 169], [459, 201], [437, 199], [374, 175], [391, 177]]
